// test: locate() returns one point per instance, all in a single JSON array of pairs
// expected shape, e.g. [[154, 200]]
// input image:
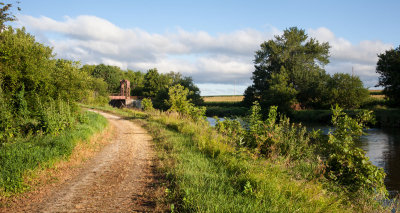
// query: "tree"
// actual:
[[152, 83], [110, 74], [25, 63], [137, 81], [177, 99], [178, 102], [388, 66], [6, 15], [157, 87], [280, 93], [301, 57], [347, 91]]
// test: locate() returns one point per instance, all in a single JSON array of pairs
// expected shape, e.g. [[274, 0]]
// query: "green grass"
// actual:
[[27, 154], [215, 178], [206, 174]]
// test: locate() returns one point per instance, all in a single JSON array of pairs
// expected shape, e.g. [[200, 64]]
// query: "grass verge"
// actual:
[[206, 174], [24, 155]]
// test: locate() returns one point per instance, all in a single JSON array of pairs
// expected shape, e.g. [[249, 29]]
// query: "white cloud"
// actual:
[[220, 59], [213, 58], [345, 56]]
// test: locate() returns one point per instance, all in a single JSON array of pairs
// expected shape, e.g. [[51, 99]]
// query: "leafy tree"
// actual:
[[178, 99], [301, 57], [347, 91], [5, 14], [194, 91], [38, 92], [157, 87], [152, 83], [25, 62], [280, 92], [178, 103], [388, 66], [137, 81], [110, 74], [147, 104]]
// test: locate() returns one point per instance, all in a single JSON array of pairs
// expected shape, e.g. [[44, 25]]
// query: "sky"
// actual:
[[212, 41]]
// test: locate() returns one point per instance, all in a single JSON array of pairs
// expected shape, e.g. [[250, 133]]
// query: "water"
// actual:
[[382, 147]]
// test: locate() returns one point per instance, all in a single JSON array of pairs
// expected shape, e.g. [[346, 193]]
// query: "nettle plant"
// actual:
[[346, 163]]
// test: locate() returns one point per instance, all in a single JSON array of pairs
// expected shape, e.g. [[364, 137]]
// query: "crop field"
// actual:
[[231, 98], [376, 94]]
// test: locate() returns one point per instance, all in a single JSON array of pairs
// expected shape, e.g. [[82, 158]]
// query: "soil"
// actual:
[[118, 178]]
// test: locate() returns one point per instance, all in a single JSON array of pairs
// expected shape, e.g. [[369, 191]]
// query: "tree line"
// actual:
[[39, 93], [150, 84], [289, 73]]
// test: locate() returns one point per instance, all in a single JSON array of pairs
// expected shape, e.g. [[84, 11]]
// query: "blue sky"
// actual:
[[213, 41]]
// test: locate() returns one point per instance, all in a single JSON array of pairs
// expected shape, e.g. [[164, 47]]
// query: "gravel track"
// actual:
[[115, 180]]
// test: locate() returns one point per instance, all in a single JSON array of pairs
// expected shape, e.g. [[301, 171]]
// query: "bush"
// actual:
[[179, 103], [147, 105], [346, 163]]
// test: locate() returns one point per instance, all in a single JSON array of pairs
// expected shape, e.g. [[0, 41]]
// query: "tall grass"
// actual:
[[206, 172], [28, 153], [211, 176]]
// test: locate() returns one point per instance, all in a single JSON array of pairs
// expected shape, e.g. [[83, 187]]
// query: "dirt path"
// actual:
[[115, 180]]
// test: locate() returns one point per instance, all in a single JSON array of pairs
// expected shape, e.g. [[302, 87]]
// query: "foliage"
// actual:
[[7, 130], [178, 99], [29, 77], [301, 57], [5, 14], [110, 74], [29, 153], [152, 83], [147, 104], [347, 91], [388, 67], [23, 61], [289, 70], [55, 116], [280, 92], [178, 103], [205, 168], [346, 163]]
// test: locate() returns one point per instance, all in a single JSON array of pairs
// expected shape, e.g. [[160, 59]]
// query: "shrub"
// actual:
[[147, 104], [346, 163], [179, 103]]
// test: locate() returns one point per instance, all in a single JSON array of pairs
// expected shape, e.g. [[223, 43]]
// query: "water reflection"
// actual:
[[383, 149]]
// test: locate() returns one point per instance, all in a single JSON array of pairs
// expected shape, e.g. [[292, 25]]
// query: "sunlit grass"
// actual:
[[28, 153], [206, 174]]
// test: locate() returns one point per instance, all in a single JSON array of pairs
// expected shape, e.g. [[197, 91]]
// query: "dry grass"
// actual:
[[236, 98]]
